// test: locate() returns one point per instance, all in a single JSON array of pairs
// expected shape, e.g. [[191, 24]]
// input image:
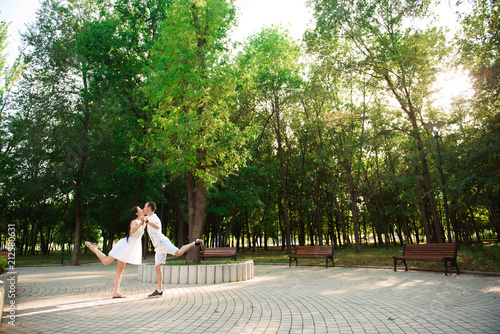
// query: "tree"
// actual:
[[479, 47], [271, 59], [193, 86], [405, 59], [56, 63], [8, 77], [118, 48]]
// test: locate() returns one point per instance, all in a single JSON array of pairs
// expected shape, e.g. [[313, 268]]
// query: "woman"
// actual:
[[126, 250]]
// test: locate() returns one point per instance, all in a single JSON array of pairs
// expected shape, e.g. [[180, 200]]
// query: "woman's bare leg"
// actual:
[[118, 278], [104, 259]]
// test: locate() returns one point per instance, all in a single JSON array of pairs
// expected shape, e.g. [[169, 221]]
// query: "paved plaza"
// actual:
[[304, 299]]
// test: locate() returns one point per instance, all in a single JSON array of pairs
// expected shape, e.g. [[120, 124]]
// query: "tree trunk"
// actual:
[[231, 222], [276, 110], [302, 237], [78, 225], [421, 205], [405, 221], [406, 104], [197, 203], [181, 224], [381, 202], [353, 192], [345, 236], [494, 215], [81, 156], [317, 211], [473, 221]]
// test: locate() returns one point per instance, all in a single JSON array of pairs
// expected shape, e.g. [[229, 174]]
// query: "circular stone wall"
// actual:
[[198, 274]]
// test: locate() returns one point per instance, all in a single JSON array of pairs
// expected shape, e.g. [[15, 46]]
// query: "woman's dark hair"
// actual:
[[133, 216]]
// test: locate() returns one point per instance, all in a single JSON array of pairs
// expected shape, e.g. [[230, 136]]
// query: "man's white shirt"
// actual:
[[155, 233]]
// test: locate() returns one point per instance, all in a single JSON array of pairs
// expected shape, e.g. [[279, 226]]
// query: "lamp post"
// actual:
[[434, 126]]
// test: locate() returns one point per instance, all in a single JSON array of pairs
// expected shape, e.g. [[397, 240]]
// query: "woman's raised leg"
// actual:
[[104, 259]]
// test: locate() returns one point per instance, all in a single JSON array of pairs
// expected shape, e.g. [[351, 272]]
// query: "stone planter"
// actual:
[[198, 274]]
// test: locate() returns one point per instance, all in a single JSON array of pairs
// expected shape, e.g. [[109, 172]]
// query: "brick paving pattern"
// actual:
[[304, 299]]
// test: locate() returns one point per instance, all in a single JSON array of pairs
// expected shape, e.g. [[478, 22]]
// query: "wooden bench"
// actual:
[[325, 252], [220, 252], [430, 252]]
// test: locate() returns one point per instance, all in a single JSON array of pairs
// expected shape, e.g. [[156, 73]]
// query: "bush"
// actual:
[[3, 264]]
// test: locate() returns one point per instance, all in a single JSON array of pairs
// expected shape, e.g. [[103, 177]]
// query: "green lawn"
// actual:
[[484, 258]]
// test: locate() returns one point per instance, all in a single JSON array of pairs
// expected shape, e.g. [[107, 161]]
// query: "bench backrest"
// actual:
[[220, 251], [438, 250], [315, 250]]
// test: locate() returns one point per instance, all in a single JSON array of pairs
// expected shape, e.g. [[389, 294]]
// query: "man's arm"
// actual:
[[153, 224]]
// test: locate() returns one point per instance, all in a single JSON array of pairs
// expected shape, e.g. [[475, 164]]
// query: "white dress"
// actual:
[[129, 251]]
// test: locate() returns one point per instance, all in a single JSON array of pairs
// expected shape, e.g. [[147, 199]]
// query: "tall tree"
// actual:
[[8, 77], [193, 85], [56, 63], [118, 46], [479, 46], [406, 59], [271, 59]]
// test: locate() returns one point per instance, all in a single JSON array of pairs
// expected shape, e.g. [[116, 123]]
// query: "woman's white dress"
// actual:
[[129, 251]]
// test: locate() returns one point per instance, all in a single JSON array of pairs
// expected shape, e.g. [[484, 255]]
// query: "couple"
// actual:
[[129, 249]]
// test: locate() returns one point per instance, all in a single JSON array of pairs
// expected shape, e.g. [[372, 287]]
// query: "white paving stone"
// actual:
[[307, 299]]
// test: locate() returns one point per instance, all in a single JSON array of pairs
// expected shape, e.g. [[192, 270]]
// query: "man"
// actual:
[[162, 245]]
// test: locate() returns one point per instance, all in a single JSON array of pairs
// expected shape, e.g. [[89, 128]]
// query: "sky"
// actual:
[[17, 13], [253, 15]]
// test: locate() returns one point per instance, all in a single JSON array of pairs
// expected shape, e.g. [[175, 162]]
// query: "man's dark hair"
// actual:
[[151, 205]]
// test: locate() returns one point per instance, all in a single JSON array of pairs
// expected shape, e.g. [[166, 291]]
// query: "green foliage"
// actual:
[[194, 88], [117, 98], [479, 49], [3, 264]]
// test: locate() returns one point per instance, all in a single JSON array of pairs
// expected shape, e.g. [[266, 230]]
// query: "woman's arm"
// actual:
[[135, 225]]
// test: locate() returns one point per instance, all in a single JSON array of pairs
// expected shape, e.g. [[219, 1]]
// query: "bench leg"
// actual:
[[400, 262], [453, 266]]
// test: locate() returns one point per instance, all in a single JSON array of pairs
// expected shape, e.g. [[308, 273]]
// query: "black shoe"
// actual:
[[156, 293]]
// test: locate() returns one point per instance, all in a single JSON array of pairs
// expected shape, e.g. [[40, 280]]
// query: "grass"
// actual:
[[53, 258], [483, 257]]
